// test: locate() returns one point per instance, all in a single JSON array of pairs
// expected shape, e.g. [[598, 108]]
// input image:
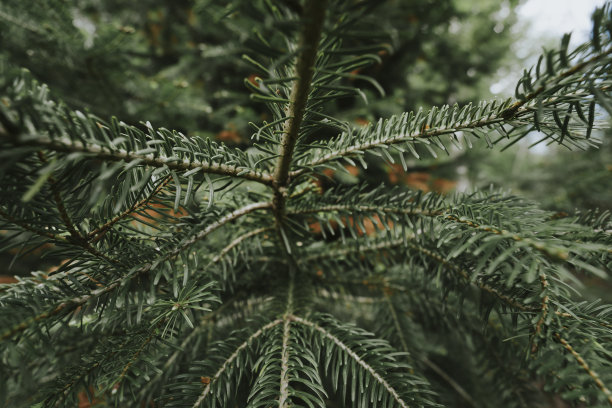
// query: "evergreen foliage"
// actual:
[[198, 274]]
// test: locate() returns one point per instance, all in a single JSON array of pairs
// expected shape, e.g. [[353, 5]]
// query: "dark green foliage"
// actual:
[[194, 273]]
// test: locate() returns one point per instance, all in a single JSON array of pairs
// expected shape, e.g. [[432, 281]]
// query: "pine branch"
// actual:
[[237, 242], [68, 305], [543, 307], [312, 22], [407, 243], [97, 233], [247, 209], [354, 356], [515, 108], [466, 276], [27, 227], [75, 235], [554, 252], [64, 392], [396, 322], [411, 129], [205, 322], [55, 128], [348, 250], [105, 153], [456, 386], [585, 366], [227, 363], [74, 303], [135, 357]]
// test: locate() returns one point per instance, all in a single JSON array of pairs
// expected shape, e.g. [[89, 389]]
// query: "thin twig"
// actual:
[[216, 225], [99, 232], [104, 153], [284, 374], [355, 357], [70, 304], [516, 110], [396, 322], [544, 306], [340, 254], [583, 364], [553, 253], [465, 275], [236, 242], [204, 322], [232, 357], [135, 356], [76, 236], [454, 384], [66, 388], [28, 227]]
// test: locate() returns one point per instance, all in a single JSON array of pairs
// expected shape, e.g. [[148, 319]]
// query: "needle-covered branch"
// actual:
[[30, 118], [558, 100]]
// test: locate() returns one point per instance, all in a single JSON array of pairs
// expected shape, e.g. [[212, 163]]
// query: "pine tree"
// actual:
[[197, 274]]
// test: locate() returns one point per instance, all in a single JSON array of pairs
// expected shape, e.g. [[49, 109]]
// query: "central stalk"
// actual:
[[310, 34]]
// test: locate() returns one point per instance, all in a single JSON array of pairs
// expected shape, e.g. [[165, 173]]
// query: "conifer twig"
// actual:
[[70, 304], [66, 388], [74, 303], [98, 233], [135, 356], [585, 366], [233, 356], [354, 356], [450, 380], [515, 110], [237, 242], [29, 228], [102, 153], [464, 274], [204, 321], [396, 322], [544, 305], [400, 243], [554, 253], [76, 236], [216, 225]]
